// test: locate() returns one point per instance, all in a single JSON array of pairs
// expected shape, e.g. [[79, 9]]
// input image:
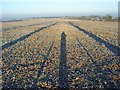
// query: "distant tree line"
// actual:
[[108, 18], [95, 18]]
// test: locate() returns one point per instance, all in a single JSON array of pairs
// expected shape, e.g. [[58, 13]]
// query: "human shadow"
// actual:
[[24, 37], [111, 47], [63, 72]]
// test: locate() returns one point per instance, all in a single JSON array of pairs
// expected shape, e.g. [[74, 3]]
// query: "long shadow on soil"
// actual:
[[63, 72], [111, 47], [23, 37]]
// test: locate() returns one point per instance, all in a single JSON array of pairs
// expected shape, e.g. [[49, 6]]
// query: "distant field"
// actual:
[[60, 53]]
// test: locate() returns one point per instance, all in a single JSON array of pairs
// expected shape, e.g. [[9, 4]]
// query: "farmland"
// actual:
[[60, 53]]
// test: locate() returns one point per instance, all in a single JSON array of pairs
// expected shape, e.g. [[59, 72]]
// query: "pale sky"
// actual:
[[59, 0], [21, 8]]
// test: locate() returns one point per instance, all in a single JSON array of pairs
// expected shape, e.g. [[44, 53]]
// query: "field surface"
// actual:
[[60, 53]]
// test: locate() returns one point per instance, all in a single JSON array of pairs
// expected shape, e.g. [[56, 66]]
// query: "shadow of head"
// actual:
[[63, 35]]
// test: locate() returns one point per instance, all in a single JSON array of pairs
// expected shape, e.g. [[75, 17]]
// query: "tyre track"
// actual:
[[40, 70], [45, 58], [80, 45], [96, 68], [111, 47], [25, 36], [15, 27]]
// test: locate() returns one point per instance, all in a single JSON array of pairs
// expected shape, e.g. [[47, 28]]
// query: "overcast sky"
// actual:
[[21, 8]]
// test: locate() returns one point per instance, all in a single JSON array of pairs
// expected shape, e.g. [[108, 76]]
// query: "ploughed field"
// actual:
[[60, 54]]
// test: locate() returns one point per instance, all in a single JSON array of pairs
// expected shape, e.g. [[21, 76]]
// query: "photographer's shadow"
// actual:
[[63, 70]]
